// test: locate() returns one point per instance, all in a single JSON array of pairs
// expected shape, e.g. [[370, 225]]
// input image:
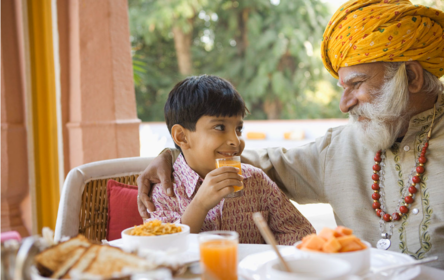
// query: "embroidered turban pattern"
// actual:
[[366, 31]]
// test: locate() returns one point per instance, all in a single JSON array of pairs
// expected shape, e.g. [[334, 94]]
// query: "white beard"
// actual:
[[386, 118]]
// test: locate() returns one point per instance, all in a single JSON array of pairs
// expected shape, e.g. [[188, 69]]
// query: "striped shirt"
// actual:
[[260, 194]]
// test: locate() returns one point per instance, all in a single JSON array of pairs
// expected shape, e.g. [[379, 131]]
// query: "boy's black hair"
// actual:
[[199, 96]]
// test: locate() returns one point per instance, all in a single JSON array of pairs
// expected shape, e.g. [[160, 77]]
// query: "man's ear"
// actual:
[[415, 74], [178, 133]]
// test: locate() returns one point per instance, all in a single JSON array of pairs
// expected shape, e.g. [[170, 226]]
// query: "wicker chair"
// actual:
[[83, 204]]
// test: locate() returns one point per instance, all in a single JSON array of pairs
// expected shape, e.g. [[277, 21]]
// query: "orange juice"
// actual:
[[234, 163], [219, 259]]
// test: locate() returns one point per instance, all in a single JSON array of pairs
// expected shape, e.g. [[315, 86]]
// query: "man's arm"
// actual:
[[299, 172], [159, 171]]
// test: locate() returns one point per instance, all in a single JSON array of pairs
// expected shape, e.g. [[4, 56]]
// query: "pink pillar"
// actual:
[[63, 31], [103, 121], [14, 170]]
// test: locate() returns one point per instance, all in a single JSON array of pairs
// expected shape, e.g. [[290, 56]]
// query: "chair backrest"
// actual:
[[93, 217], [83, 204]]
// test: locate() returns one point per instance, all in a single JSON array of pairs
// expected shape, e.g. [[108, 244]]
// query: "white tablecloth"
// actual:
[[427, 273]]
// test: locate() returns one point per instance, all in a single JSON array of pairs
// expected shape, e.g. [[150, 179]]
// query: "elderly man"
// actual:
[[383, 173]]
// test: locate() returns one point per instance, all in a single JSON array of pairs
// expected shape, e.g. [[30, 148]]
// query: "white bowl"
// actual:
[[359, 260], [160, 242], [321, 268]]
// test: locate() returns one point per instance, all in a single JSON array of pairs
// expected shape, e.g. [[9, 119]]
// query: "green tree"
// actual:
[[270, 52], [437, 4]]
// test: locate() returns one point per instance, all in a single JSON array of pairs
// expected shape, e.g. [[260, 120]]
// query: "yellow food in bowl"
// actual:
[[155, 227]]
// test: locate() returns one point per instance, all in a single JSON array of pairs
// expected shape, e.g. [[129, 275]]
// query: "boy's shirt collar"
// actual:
[[189, 178]]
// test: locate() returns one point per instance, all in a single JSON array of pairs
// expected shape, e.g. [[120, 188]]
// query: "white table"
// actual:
[[427, 273]]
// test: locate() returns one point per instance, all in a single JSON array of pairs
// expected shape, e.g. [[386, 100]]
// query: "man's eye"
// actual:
[[220, 127], [357, 84]]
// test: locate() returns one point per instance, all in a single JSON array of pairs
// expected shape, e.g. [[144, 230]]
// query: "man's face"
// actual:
[[214, 137], [376, 102], [360, 83]]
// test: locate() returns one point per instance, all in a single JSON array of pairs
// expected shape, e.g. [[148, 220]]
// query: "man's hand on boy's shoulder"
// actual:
[[159, 171]]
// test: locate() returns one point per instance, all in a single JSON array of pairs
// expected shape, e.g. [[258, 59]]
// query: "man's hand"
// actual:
[[217, 184], [159, 171]]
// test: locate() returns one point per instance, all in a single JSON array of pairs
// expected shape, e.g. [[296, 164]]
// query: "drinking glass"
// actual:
[[218, 254], [235, 162]]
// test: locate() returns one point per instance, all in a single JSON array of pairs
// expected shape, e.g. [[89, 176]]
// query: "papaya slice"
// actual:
[[327, 233], [344, 240], [314, 243], [344, 230], [339, 240], [331, 246], [350, 247]]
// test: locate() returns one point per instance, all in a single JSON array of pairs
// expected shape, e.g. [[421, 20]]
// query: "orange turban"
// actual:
[[365, 31]]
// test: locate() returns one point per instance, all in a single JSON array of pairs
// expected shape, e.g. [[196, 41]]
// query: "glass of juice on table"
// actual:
[[235, 162], [218, 254]]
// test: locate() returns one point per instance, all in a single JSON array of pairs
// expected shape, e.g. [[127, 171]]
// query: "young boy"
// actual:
[[205, 117]]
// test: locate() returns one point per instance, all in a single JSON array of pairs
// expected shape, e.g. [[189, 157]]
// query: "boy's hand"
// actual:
[[217, 184]]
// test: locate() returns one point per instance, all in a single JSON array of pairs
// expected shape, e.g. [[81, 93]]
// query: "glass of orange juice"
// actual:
[[218, 254], [235, 162]]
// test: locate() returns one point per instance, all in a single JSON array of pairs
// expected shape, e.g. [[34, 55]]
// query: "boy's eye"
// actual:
[[220, 127], [239, 129]]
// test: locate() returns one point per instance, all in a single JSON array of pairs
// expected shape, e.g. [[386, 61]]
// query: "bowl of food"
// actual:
[[339, 243], [321, 268], [155, 235]]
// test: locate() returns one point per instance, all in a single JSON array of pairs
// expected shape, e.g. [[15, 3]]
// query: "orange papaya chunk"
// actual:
[[307, 237], [346, 239], [350, 247], [331, 246], [344, 230], [327, 233], [363, 246], [314, 243]]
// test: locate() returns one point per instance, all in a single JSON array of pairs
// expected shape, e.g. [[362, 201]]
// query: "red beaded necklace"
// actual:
[[404, 209]]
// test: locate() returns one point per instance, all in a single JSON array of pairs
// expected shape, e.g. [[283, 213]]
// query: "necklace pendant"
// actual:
[[383, 244]]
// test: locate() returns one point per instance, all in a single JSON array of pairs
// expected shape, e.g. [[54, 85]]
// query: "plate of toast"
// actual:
[[79, 258]]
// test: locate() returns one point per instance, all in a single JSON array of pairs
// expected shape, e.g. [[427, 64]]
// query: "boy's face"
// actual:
[[214, 137]]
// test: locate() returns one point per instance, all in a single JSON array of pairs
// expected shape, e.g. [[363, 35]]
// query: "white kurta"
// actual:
[[337, 169]]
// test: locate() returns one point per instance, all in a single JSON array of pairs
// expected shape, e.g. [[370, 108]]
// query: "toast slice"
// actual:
[[110, 262], [51, 259], [74, 257], [83, 262]]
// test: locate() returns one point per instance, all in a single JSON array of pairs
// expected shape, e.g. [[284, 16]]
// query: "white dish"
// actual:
[[254, 266], [175, 241], [160, 273], [359, 260], [190, 255], [320, 268]]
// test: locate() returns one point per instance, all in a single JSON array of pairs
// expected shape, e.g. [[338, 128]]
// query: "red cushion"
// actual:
[[122, 209]]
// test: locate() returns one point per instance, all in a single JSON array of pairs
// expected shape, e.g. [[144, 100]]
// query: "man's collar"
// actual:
[[189, 178], [426, 117]]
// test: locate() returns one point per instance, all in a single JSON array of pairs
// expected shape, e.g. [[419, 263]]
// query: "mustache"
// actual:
[[366, 110], [377, 112]]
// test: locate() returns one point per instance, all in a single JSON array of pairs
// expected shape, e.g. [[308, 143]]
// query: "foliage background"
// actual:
[[269, 49]]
